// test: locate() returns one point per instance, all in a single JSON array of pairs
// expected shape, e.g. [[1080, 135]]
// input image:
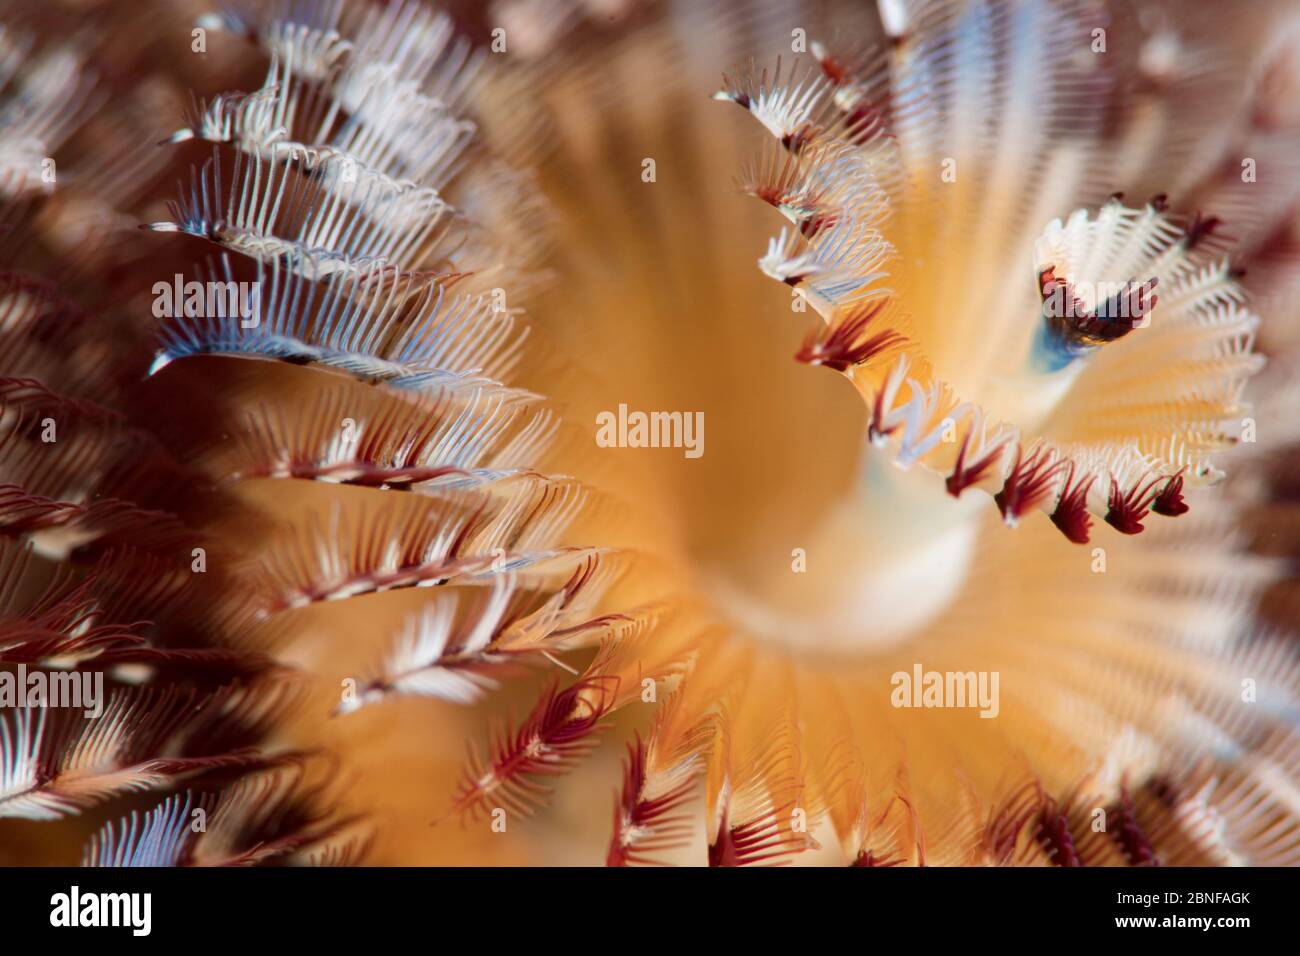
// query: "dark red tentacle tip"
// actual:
[[1126, 511], [1047, 281], [836, 365], [811, 227], [963, 476], [867, 858], [723, 851], [1055, 837], [1200, 229], [1073, 521], [833, 69], [1132, 840], [1164, 790], [1170, 501], [795, 141], [1071, 516], [1002, 500], [1125, 520]]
